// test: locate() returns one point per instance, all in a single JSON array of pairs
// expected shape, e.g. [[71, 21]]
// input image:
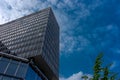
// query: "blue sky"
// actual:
[[87, 27]]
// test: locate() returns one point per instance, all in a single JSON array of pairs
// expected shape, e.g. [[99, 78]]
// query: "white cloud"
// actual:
[[69, 3], [12, 9], [114, 64], [76, 76], [53, 2], [70, 43], [96, 4]]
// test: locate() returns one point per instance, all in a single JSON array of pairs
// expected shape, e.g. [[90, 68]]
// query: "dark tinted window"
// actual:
[[22, 70], [12, 68], [3, 64], [32, 75]]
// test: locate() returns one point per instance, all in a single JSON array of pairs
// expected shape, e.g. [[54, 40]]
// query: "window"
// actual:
[[12, 68], [3, 64], [38, 78], [32, 75], [22, 70]]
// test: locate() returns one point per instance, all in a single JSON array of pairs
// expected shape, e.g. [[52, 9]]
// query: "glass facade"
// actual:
[[31, 75], [16, 70], [34, 36]]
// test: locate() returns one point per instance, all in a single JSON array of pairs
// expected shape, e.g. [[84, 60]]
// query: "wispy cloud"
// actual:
[[12, 9], [64, 11], [76, 76], [84, 25], [71, 43], [114, 64], [69, 14]]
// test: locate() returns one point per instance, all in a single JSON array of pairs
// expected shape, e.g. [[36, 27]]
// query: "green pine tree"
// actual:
[[97, 67], [106, 73]]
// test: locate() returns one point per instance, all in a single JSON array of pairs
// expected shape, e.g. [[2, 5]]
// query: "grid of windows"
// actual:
[[23, 30], [12, 67], [34, 35], [16, 70], [51, 44]]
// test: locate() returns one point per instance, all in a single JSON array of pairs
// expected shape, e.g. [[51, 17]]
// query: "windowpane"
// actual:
[[12, 68], [22, 70], [3, 65], [38, 78], [31, 75]]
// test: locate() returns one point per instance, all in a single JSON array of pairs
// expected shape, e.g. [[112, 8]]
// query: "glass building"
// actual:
[[34, 37], [16, 68]]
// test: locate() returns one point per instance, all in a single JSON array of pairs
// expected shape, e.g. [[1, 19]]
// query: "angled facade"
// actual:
[[34, 37]]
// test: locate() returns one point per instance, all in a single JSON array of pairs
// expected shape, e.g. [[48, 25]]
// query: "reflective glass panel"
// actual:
[[12, 68], [31, 75], [3, 64], [38, 78], [22, 70]]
